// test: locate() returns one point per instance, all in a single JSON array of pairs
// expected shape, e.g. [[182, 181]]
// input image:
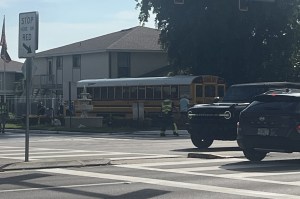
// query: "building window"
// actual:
[[50, 69], [76, 61], [59, 62], [1, 81], [123, 64]]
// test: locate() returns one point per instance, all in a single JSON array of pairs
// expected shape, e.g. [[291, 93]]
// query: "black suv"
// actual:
[[270, 123], [217, 121]]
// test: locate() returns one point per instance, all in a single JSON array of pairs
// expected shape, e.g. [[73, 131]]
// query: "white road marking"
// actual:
[[233, 167], [75, 155], [11, 150], [17, 153], [62, 187], [11, 147], [80, 139], [43, 153], [146, 156], [259, 174], [235, 176], [14, 158], [176, 184]]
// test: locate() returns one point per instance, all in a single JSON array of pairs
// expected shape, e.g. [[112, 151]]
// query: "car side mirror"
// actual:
[[216, 99]]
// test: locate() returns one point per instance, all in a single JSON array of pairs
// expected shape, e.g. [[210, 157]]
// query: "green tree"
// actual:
[[215, 37]]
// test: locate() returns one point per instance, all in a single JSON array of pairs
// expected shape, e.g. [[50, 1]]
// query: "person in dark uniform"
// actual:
[[167, 107], [3, 117]]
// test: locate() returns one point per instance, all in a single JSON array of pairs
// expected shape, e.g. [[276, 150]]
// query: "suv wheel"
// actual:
[[254, 155], [201, 143]]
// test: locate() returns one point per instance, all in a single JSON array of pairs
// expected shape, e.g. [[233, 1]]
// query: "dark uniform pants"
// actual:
[[167, 121]]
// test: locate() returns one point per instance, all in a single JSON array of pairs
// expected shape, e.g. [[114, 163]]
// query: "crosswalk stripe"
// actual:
[[235, 167], [169, 183], [244, 176], [36, 153], [144, 157], [10, 147]]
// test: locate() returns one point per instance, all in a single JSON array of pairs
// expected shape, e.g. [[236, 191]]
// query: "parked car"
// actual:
[[271, 123], [217, 121]]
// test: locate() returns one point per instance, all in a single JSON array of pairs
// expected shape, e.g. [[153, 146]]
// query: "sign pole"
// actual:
[[28, 43], [28, 66], [4, 81]]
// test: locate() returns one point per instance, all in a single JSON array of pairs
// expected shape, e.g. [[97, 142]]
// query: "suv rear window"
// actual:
[[275, 103]]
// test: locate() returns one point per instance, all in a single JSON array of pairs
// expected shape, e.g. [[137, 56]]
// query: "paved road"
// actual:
[[164, 178], [64, 146], [140, 165], [115, 146]]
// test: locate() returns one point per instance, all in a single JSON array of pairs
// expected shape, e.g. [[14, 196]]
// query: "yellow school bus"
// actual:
[[126, 96]]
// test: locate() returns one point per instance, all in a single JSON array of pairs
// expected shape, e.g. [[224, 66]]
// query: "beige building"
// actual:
[[11, 83], [132, 52]]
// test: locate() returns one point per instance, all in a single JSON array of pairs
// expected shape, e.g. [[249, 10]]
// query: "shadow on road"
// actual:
[[215, 149], [264, 166]]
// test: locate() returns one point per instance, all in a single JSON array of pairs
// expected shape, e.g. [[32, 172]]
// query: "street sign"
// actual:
[[28, 34]]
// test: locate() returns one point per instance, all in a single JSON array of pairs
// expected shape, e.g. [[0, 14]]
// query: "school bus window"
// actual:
[[184, 90], [157, 92], [111, 93], [166, 91], [199, 90], [118, 94], [141, 92], [210, 90], [126, 92], [149, 92], [79, 90], [174, 92], [103, 93], [221, 91], [97, 95], [90, 91], [133, 92]]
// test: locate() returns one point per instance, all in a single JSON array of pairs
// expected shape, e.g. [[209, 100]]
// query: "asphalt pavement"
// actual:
[[9, 164]]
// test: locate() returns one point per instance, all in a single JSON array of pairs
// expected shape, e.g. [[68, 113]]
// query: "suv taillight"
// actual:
[[298, 128]]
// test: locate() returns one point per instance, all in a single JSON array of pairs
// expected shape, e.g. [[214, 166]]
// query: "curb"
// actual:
[[52, 164]]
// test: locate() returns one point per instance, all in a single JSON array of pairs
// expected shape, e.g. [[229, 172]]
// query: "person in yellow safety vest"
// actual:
[[167, 107]]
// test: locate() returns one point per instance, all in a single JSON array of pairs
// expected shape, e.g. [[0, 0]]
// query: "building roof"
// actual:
[[12, 66], [141, 39]]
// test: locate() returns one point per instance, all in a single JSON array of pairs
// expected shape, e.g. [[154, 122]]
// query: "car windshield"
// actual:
[[242, 93]]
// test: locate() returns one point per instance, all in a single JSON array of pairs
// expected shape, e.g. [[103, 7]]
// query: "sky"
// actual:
[[63, 22]]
